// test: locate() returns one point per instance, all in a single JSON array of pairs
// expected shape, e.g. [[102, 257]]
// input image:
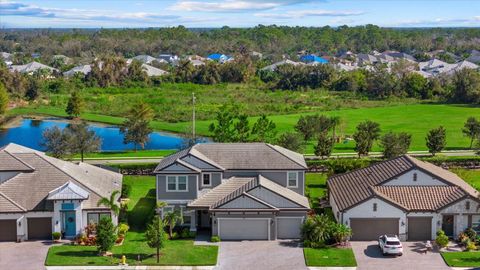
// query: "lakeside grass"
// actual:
[[415, 119]]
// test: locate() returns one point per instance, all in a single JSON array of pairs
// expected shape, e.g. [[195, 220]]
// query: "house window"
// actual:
[[96, 217], [206, 180], [476, 223], [375, 207], [467, 205], [292, 179], [415, 177], [186, 214], [166, 209], [177, 183]]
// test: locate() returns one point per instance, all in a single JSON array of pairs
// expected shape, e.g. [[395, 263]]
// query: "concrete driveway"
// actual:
[[369, 256], [29, 255], [244, 255]]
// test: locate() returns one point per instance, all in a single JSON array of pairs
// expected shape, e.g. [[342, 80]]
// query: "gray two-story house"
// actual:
[[237, 190]]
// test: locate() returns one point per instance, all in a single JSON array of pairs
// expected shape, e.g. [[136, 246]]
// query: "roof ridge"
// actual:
[[232, 195], [276, 150], [20, 160], [12, 201], [258, 200]]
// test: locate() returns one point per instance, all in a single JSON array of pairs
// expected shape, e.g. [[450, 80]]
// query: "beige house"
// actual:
[[40, 194], [403, 196]]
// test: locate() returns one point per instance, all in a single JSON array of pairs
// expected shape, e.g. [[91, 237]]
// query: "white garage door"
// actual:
[[243, 229], [289, 227]]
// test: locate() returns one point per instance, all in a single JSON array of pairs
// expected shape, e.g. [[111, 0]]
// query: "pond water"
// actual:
[[29, 133]]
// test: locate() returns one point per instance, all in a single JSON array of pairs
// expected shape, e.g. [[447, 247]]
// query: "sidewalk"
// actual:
[[133, 267]]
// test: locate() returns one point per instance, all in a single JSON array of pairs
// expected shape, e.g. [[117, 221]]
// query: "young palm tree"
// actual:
[[111, 202], [171, 219]]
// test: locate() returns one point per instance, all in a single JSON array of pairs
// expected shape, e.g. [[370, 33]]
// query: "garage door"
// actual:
[[243, 229], [365, 229], [39, 228], [288, 228], [8, 230], [419, 228]]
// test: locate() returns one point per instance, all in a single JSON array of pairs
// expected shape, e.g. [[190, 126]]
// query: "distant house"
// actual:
[[406, 197], [196, 62], [256, 54], [66, 60], [401, 55], [40, 194], [36, 55], [435, 67], [343, 67], [463, 65], [274, 66], [367, 59], [153, 71], [169, 58], [83, 69], [313, 59], [31, 67], [474, 57], [7, 58], [218, 57], [146, 59]]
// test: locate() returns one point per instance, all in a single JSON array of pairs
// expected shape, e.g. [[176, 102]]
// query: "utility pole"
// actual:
[[193, 117]]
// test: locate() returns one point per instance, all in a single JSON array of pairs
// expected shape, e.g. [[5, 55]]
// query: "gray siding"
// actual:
[[244, 202], [175, 167], [162, 194], [272, 198], [279, 177], [216, 180], [198, 163]]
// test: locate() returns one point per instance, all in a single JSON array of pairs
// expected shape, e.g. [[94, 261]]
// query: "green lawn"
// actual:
[[470, 176], [329, 257], [315, 187], [462, 259], [175, 252], [416, 119], [141, 204]]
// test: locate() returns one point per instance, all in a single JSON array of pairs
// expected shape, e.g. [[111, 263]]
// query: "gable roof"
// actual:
[[29, 189], [68, 191], [31, 67], [240, 156], [354, 187], [9, 162]]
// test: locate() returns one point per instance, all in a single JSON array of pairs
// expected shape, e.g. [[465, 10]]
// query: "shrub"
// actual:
[[56, 235], [105, 235], [215, 239], [470, 245], [341, 232], [126, 190], [185, 233], [463, 238], [193, 234], [317, 230], [122, 229], [174, 236], [442, 239], [472, 235]]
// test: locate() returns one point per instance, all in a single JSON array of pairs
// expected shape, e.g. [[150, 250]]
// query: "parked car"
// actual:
[[390, 244]]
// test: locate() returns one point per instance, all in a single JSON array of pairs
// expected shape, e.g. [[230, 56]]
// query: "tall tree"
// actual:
[[136, 128], [471, 129], [111, 202], [436, 140], [155, 235], [82, 139], [334, 123], [3, 99], [224, 130], [324, 145], [242, 129], [292, 141], [264, 130], [74, 105], [395, 144], [366, 134], [106, 236], [56, 142], [171, 219]]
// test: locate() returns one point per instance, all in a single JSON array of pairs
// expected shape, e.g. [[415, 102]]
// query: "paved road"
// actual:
[[29, 255], [265, 255], [369, 257]]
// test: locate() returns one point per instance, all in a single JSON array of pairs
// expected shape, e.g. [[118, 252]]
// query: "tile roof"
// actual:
[[351, 188], [69, 191], [8, 205], [9, 162], [30, 189], [420, 198], [241, 156]]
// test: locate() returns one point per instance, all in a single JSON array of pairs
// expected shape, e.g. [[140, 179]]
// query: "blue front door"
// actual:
[[69, 221]]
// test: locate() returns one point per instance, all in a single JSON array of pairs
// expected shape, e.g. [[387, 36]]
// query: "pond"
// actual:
[[28, 132]]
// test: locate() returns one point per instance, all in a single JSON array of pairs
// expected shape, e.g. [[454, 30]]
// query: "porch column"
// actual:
[[193, 221]]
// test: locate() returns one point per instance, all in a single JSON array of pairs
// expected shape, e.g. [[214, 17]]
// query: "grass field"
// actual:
[[415, 119], [462, 259], [315, 187], [470, 176], [128, 154], [329, 257]]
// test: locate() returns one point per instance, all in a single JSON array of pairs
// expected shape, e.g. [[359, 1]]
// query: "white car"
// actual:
[[390, 244]]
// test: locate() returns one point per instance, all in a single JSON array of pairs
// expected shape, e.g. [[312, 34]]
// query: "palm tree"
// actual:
[[171, 219], [334, 122], [111, 202]]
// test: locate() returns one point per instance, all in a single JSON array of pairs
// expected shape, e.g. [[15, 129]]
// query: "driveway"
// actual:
[[244, 255], [368, 256], [29, 255]]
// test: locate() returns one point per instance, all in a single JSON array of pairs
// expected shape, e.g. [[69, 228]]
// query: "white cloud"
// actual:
[[309, 13], [439, 22], [232, 5]]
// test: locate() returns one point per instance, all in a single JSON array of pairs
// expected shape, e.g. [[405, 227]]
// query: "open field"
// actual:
[[416, 119]]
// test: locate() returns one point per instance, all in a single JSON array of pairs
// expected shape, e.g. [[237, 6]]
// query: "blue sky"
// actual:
[[243, 13]]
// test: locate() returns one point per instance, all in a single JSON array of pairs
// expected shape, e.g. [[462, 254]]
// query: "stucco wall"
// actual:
[[461, 214], [423, 179]]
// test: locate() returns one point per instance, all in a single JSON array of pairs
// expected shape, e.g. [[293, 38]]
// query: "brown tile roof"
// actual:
[[241, 156], [7, 205], [420, 198], [8, 162], [351, 188]]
